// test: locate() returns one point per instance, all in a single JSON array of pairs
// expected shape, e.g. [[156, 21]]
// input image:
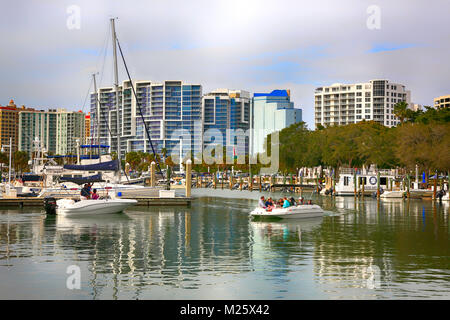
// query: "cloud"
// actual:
[[250, 45]]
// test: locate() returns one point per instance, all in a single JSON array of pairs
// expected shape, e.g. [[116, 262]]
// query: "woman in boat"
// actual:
[[292, 201], [286, 203], [95, 195]]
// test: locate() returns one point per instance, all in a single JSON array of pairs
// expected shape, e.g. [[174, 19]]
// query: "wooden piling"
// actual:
[[152, 174], [188, 178]]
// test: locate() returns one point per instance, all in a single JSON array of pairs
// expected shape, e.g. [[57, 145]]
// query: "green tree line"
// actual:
[[422, 138]]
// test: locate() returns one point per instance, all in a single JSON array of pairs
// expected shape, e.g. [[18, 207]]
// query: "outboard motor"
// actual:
[[50, 205]]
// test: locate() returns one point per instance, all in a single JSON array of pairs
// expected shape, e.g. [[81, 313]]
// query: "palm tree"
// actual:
[[401, 110]]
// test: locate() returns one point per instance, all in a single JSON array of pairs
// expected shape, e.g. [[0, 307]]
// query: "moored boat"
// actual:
[[69, 207]]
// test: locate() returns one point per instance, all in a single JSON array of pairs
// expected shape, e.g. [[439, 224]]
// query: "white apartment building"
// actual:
[[341, 104]]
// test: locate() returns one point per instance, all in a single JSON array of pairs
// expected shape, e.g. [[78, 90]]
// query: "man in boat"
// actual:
[[300, 200], [262, 203], [85, 193], [269, 204]]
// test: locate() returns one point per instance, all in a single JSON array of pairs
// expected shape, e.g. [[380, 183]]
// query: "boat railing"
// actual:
[[383, 172]]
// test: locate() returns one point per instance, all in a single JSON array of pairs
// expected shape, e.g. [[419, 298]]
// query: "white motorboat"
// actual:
[[393, 194], [293, 212], [69, 207]]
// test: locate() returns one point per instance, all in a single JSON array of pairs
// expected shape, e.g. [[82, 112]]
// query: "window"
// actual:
[[346, 181]]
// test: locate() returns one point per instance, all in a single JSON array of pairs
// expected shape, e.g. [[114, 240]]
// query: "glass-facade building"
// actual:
[[228, 112], [272, 112], [170, 111]]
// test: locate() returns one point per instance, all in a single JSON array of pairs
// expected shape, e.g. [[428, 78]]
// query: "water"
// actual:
[[213, 250]]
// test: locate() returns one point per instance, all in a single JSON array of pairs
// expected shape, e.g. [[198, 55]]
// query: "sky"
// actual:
[[50, 50]]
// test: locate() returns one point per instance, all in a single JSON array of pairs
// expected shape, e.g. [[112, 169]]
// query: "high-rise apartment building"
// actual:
[[87, 127], [9, 120], [37, 125], [229, 112], [341, 104], [70, 131], [271, 112], [170, 110], [56, 129]]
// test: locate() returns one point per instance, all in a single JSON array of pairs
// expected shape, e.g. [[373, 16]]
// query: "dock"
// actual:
[[21, 202]]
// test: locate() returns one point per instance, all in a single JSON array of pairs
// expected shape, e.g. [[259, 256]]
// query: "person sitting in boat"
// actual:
[[286, 203], [309, 201], [300, 200], [95, 195], [269, 204], [292, 201], [85, 194], [279, 203], [262, 203]]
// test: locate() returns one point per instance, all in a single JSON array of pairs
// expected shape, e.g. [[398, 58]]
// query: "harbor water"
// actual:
[[360, 249]]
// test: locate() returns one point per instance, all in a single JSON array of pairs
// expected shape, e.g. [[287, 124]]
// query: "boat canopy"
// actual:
[[102, 166], [83, 180], [82, 157], [31, 177]]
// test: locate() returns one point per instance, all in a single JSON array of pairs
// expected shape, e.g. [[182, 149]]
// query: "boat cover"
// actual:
[[102, 166], [83, 180]]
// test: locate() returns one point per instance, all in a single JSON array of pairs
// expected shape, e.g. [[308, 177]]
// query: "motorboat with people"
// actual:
[[293, 212], [87, 207], [70, 207], [288, 210]]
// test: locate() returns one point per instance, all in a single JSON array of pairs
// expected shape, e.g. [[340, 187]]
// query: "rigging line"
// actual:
[[140, 110], [87, 94], [104, 58], [110, 133]]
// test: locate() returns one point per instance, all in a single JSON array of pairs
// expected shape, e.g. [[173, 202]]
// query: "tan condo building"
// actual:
[[442, 102]]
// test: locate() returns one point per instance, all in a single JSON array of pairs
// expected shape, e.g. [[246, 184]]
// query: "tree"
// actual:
[[401, 110], [21, 161]]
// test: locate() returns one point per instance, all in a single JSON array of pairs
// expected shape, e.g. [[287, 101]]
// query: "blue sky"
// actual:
[[253, 45]]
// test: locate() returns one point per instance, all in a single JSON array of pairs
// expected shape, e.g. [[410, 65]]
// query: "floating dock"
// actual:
[[21, 202]]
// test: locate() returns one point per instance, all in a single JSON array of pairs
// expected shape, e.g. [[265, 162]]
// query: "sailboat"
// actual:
[[104, 162]]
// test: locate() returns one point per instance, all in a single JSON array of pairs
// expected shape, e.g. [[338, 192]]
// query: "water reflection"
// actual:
[[214, 247]]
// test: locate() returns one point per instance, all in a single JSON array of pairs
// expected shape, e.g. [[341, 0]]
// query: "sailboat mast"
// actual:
[[116, 87], [97, 108]]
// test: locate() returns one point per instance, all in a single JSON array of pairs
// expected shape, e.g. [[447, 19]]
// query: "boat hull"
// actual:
[[294, 212], [92, 207]]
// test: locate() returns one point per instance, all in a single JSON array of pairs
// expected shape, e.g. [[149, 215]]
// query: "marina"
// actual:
[[239, 156], [213, 250]]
